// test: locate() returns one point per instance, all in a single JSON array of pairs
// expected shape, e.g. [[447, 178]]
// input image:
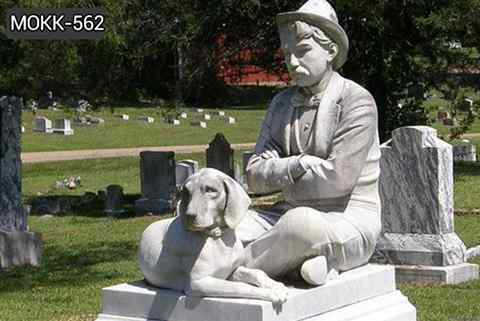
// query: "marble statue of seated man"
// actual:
[[319, 146]]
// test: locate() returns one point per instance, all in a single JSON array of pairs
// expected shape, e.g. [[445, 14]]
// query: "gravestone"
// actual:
[[220, 155], [207, 117], [416, 189], [157, 178], [18, 245], [147, 119], [124, 117], [199, 110], [63, 126], [183, 115], [184, 170], [43, 125], [114, 200], [198, 123], [230, 120], [465, 152], [219, 113]]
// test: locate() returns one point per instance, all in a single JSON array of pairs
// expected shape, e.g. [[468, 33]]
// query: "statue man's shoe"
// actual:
[[315, 271]]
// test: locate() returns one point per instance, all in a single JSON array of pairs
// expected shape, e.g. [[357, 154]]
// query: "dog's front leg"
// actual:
[[257, 277], [213, 287]]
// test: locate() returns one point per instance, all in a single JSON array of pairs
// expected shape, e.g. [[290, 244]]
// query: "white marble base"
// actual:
[[366, 293], [453, 274]]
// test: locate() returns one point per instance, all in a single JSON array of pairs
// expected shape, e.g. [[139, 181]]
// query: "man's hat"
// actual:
[[319, 13]]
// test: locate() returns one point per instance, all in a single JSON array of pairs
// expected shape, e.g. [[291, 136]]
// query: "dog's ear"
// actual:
[[236, 204]]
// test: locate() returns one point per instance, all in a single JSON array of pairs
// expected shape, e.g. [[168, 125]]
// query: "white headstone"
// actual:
[[147, 119], [416, 189], [183, 115], [199, 110], [124, 117], [207, 117], [63, 126], [198, 123], [43, 125], [230, 120], [465, 152], [219, 113]]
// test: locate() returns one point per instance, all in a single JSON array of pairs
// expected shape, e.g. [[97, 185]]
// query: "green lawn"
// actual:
[[117, 133], [86, 251]]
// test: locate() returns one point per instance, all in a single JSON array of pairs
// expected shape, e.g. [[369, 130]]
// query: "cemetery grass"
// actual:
[[117, 133], [85, 252]]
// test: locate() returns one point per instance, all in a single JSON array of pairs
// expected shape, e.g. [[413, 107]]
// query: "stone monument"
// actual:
[[114, 199], [18, 245], [157, 178], [465, 152], [319, 146], [416, 187], [220, 155]]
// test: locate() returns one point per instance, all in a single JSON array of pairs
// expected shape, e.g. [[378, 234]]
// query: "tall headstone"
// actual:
[[157, 178], [416, 189], [18, 245], [220, 155]]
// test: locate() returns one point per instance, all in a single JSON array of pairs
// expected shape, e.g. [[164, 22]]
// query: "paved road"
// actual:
[[42, 157]]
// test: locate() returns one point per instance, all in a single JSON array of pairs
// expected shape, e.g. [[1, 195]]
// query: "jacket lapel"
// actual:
[[327, 118]]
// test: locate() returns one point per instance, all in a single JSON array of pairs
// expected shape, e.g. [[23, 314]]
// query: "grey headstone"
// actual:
[[465, 152], [416, 189], [220, 155], [114, 200], [157, 178], [184, 170], [17, 245]]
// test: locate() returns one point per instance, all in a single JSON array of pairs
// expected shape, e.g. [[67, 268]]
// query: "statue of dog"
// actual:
[[198, 251]]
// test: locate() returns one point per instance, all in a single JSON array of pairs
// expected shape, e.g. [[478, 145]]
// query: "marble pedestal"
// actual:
[[366, 293], [452, 274], [20, 248]]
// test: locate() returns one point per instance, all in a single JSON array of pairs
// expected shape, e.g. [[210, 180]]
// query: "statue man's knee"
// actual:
[[304, 223]]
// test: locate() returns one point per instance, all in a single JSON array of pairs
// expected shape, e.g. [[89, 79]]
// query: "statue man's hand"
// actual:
[[269, 154]]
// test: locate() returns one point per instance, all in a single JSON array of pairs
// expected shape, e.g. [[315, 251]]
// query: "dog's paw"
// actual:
[[278, 296]]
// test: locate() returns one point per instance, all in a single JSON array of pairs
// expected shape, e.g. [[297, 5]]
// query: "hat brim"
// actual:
[[331, 29]]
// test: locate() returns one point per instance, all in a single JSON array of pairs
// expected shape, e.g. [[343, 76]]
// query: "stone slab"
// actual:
[[453, 274], [20, 248], [355, 295]]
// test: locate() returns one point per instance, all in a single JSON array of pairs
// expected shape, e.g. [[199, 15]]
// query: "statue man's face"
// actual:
[[307, 61]]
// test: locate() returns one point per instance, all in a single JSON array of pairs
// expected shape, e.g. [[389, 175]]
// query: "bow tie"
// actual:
[[301, 100]]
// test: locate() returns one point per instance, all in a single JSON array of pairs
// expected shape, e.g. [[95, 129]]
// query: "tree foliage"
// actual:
[[398, 50]]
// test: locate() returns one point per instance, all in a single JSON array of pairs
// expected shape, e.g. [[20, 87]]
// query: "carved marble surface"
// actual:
[[416, 182], [420, 249], [11, 212]]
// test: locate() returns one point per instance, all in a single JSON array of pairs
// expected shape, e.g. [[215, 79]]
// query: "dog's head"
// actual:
[[211, 201]]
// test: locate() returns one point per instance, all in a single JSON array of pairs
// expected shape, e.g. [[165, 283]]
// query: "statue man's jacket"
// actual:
[[339, 167]]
